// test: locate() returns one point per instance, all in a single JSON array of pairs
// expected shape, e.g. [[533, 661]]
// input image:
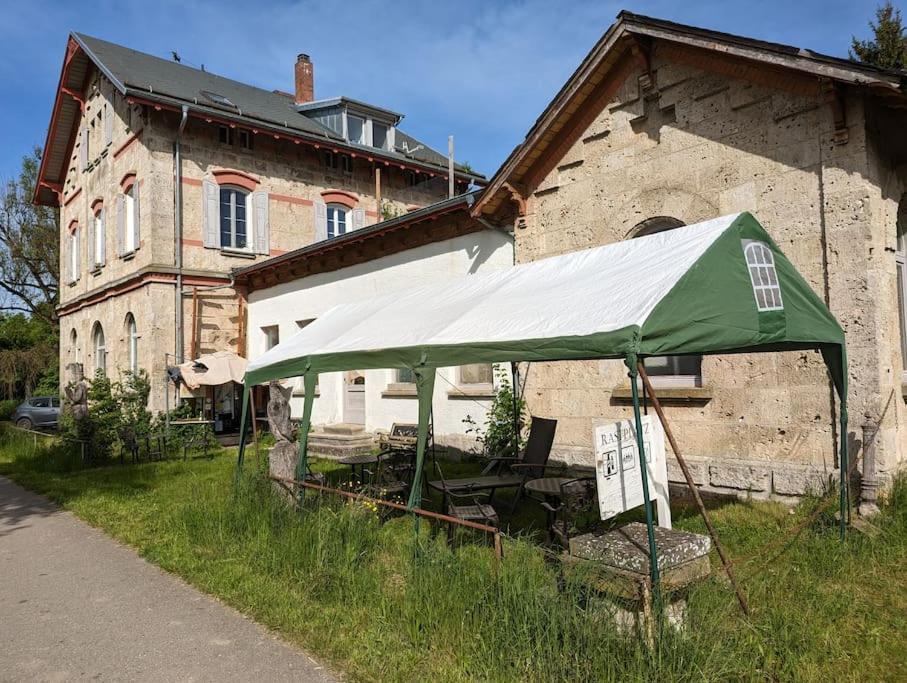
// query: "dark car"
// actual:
[[38, 411]]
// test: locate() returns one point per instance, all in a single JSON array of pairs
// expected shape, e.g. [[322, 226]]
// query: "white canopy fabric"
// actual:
[[213, 369], [588, 292]]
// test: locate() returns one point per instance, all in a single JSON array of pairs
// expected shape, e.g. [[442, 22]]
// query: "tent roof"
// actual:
[[688, 290]]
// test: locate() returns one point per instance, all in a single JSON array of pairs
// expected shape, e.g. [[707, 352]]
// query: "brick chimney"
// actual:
[[305, 79]]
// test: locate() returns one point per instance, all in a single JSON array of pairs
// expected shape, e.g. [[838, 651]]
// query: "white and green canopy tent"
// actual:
[[721, 286]]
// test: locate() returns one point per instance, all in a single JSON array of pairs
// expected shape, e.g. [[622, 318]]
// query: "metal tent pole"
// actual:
[[425, 386], [647, 502], [308, 383], [242, 429], [515, 385], [656, 404]]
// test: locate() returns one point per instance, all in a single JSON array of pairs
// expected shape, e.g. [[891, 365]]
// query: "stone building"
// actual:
[[167, 177], [663, 125]]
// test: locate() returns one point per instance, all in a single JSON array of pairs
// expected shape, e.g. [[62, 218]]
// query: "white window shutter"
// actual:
[[78, 247], [70, 259], [260, 216], [321, 221], [210, 213], [136, 223], [83, 149], [121, 225], [92, 240], [108, 124], [358, 218], [102, 251]]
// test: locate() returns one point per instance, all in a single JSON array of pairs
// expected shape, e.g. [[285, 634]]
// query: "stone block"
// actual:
[[743, 477], [791, 480], [698, 470]]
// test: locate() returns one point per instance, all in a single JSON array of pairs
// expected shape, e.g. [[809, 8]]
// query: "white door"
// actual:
[[354, 398]]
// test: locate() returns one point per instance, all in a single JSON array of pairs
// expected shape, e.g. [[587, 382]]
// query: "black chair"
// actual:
[[577, 498], [510, 472], [468, 504], [391, 477]]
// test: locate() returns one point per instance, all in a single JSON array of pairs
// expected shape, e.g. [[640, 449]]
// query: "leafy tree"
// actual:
[[888, 46]]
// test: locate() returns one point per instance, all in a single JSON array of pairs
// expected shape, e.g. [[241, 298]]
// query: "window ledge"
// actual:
[[300, 392], [667, 395], [474, 392], [128, 256], [97, 270], [237, 253], [400, 390]]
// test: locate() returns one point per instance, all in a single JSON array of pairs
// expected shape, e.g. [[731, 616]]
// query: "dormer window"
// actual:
[[380, 135], [355, 127]]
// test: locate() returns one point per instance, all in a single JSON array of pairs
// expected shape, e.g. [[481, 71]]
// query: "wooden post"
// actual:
[[378, 192], [656, 404], [450, 166]]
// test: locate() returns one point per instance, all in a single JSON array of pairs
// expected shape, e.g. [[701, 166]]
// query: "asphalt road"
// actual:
[[74, 604]]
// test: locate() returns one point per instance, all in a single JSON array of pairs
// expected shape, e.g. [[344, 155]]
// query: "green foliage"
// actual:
[[29, 247], [888, 46], [117, 412], [8, 407], [496, 437]]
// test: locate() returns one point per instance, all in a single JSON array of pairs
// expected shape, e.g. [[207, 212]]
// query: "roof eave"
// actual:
[[460, 202]]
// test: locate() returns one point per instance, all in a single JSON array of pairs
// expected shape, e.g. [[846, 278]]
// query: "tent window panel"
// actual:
[[763, 276]]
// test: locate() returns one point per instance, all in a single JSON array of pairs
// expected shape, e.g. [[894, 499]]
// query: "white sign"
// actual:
[[617, 468]]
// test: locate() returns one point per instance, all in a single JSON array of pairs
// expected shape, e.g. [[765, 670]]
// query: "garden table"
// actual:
[[360, 461]]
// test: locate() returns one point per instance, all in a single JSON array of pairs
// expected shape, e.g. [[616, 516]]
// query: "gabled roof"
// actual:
[[167, 83], [627, 43]]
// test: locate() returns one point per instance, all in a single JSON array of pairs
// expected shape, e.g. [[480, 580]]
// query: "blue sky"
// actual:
[[480, 70]]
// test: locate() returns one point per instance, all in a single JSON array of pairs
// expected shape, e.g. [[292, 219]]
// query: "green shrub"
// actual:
[[8, 407], [496, 438]]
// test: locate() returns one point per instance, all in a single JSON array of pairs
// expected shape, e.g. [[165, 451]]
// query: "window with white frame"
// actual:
[[380, 135], [132, 343], [761, 263], [100, 348], [681, 371], [406, 376], [97, 236], [355, 129], [130, 243], [477, 374], [74, 346], [338, 220], [271, 335], [234, 209], [74, 265]]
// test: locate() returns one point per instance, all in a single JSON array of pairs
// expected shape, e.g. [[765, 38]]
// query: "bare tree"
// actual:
[[29, 247]]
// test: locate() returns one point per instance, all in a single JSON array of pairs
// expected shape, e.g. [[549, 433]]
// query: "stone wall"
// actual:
[[152, 307], [708, 145]]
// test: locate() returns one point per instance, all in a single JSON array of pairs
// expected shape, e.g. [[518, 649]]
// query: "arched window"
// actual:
[[900, 259], [132, 343], [234, 208], [669, 370], [74, 349], [338, 220], [100, 348], [764, 278]]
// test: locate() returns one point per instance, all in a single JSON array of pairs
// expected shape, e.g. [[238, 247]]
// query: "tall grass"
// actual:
[[387, 601]]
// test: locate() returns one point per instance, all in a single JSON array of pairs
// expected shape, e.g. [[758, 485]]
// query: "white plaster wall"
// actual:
[[310, 297]]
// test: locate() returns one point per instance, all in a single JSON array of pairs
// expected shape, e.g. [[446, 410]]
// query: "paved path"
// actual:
[[74, 604]]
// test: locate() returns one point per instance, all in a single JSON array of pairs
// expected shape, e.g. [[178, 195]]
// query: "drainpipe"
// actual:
[[178, 230]]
